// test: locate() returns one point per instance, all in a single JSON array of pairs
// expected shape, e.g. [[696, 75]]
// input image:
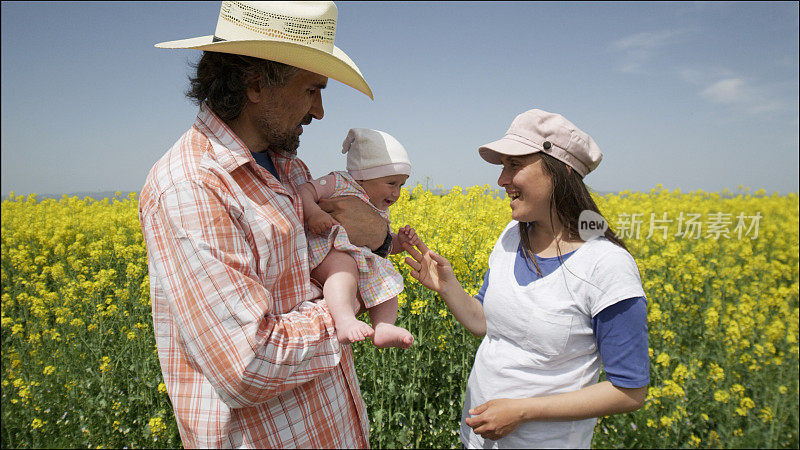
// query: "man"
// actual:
[[247, 347]]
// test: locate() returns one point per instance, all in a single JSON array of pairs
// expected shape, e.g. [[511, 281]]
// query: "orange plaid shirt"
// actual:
[[248, 351]]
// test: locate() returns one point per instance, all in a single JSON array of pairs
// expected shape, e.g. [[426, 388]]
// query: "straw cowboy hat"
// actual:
[[300, 34]]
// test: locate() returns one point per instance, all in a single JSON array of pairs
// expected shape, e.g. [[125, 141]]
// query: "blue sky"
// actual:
[[689, 95]]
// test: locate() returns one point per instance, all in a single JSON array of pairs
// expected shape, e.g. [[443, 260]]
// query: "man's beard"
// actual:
[[287, 142]]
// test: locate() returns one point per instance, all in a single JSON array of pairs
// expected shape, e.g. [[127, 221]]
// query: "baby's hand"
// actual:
[[407, 234], [321, 222]]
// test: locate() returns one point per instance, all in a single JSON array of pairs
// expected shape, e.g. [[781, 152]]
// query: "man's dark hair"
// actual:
[[221, 81]]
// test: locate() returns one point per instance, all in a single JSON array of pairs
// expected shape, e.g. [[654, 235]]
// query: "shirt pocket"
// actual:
[[548, 332]]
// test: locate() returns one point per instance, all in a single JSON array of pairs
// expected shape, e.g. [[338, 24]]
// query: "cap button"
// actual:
[[547, 145]]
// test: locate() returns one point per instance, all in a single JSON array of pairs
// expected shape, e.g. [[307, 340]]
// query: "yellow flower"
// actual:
[[25, 393], [746, 403], [157, 426], [37, 423], [105, 363], [654, 315], [162, 388], [716, 373], [78, 266], [681, 373]]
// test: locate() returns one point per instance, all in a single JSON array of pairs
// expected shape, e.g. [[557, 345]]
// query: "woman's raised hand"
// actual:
[[429, 268], [435, 272]]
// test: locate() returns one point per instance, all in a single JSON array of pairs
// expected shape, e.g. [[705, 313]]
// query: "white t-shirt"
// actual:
[[539, 338]]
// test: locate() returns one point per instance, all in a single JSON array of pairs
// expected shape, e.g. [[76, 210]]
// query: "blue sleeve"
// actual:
[[485, 285], [621, 334]]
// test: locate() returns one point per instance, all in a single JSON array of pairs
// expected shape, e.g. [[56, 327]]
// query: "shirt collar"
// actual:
[[228, 149], [233, 152]]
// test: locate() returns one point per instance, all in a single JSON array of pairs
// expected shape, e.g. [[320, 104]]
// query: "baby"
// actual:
[[377, 167]]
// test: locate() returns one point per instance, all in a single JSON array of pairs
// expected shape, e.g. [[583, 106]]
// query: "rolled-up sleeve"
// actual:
[[204, 257]]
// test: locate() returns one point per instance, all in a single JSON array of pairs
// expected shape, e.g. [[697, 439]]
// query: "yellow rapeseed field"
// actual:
[[720, 271]]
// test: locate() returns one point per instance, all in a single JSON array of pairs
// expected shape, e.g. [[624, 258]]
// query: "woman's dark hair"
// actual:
[[221, 80], [568, 199]]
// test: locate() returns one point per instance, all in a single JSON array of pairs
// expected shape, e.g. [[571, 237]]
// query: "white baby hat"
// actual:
[[374, 154]]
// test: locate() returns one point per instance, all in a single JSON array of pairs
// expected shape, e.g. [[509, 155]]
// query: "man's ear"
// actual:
[[569, 168], [254, 89]]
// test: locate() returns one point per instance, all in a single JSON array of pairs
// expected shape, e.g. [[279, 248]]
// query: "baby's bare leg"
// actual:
[[386, 333], [339, 274]]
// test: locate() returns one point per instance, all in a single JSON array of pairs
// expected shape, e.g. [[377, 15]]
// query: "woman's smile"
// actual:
[[527, 186]]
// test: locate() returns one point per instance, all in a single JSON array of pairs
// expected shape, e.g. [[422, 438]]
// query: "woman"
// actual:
[[553, 305]]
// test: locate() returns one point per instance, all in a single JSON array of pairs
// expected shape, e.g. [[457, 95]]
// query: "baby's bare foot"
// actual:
[[349, 331], [388, 335]]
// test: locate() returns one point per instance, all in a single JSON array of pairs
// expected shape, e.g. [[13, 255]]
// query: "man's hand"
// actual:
[[365, 227]]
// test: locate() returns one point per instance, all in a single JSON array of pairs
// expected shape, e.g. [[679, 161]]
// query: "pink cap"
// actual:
[[540, 131]]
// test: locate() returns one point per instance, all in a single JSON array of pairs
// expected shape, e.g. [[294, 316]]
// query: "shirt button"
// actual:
[[323, 182], [547, 145]]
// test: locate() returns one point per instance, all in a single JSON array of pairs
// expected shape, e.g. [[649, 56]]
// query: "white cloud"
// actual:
[[631, 67], [704, 76], [640, 48], [728, 91], [645, 40], [741, 94], [725, 87]]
